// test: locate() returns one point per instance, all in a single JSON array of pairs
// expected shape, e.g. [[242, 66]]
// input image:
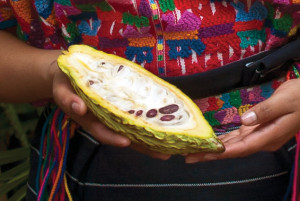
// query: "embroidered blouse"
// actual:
[[167, 37]]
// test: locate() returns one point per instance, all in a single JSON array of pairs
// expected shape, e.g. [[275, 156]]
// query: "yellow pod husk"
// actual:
[[134, 102]]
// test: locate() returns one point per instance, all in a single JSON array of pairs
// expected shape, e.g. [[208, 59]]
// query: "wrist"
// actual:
[[26, 71], [48, 65]]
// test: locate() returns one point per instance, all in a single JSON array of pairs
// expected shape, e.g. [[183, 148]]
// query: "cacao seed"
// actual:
[[131, 111], [170, 109], [91, 82], [151, 113], [139, 113], [167, 118], [120, 68]]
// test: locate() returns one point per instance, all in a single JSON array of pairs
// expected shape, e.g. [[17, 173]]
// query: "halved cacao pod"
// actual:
[[132, 101]]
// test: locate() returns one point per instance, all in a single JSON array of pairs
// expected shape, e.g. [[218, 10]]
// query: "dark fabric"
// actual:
[[100, 172]]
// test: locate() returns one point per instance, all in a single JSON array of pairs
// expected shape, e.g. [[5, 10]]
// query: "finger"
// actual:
[[267, 110], [150, 153], [197, 157], [268, 137], [226, 137], [65, 97], [76, 109], [240, 133], [100, 132], [200, 157]]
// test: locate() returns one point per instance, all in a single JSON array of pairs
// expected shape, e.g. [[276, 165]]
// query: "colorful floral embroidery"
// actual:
[[135, 20], [249, 25], [160, 45], [167, 5], [140, 44], [281, 24], [183, 35], [223, 112]]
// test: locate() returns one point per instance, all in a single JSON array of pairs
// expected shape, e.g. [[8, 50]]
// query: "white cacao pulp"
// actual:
[[132, 92]]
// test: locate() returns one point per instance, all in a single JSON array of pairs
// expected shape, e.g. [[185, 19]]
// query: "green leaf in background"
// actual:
[[14, 155], [19, 195], [17, 121], [14, 183], [10, 174]]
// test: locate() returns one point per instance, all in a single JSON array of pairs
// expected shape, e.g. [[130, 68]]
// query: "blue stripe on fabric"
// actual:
[[8, 23]]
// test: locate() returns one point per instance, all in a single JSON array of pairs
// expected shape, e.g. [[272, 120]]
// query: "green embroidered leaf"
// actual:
[[166, 5]]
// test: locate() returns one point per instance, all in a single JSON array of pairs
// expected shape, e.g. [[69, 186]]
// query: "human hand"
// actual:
[[65, 97], [265, 127]]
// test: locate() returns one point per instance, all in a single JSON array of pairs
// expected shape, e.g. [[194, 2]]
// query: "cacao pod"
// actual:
[[134, 102]]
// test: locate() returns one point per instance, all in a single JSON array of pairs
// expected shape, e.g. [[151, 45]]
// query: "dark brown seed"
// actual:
[[170, 109], [131, 111], [167, 118], [120, 68], [103, 63], [139, 113], [151, 113], [91, 82]]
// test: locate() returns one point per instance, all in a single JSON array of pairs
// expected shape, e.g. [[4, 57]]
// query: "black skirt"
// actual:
[[100, 172]]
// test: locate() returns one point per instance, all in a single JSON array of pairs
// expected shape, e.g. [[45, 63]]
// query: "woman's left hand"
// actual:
[[265, 127]]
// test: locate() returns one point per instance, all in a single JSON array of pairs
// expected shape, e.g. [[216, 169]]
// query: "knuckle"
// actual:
[[264, 108], [65, 102], [264, 111], [293, 103]]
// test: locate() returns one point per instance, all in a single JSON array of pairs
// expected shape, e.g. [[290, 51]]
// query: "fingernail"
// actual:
[[209, 157], [249, 118], [75, 107], [124, 142], [165, 157], [191, 160]]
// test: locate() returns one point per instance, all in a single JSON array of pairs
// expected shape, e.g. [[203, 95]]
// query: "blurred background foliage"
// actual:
[[17, 124]]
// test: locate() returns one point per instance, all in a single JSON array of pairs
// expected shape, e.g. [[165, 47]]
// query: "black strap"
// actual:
[[252, 70]]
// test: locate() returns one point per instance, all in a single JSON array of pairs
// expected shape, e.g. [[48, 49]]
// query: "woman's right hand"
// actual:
[[65, 97], [29, 74]]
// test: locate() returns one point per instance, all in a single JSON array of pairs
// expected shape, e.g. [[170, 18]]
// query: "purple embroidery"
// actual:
[[216, 30], [229, 115], [145, 9], [220, 115], [244, 96], [187, 22], [61, 10], [87, 1], [114, 43], [282, 1], [236, 119], [131, 32], [36, 35], [255, 95]]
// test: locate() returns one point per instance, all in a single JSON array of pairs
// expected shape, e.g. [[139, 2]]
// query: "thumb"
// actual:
[[267, 110]]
